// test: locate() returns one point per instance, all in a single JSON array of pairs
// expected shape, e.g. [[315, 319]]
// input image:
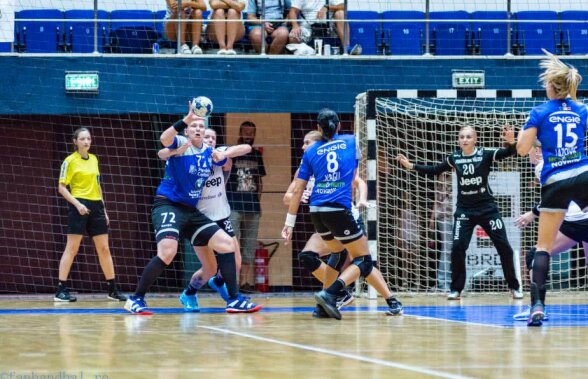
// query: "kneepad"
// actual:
[[337, 260], [309, 260], [365, 265], [529, 258]]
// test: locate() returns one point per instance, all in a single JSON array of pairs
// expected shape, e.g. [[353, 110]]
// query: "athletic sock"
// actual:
[[228, 269], [336, 287], [540, 272], [150, 274], [218, 280], [111, 285], [195, 284]]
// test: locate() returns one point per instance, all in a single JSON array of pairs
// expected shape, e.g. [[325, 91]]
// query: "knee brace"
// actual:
[[529, 258], [337, 260], [365, 265], [309, 260]]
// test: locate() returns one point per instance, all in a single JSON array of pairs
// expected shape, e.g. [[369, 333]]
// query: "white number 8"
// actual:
[[332, 164]]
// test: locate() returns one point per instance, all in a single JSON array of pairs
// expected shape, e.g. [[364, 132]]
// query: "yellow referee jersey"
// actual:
[[82, 176]]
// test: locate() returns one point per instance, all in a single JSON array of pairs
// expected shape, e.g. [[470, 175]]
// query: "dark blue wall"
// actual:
[[159, 84]]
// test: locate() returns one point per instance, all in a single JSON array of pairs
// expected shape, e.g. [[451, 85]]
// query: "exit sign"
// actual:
[[82, 81], [468, 79]]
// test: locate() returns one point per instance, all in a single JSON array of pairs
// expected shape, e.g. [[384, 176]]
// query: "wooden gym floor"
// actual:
[[472, 338]]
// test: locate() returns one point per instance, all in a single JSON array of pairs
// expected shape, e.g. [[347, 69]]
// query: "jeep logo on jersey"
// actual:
[[215, 182], [470, 182]]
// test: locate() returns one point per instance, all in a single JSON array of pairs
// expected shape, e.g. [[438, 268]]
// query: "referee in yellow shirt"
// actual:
[[79, 172]]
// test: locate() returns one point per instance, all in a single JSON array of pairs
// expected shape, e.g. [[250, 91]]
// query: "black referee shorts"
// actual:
[[94, 223]]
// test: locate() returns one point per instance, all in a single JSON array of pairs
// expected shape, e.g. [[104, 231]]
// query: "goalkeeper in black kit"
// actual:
[[475, 204]]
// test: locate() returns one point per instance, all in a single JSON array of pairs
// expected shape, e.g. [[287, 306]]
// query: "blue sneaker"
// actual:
[[222, 290], [240, 304], [190, 302], [344, 299], [137, 306], [395, 307]]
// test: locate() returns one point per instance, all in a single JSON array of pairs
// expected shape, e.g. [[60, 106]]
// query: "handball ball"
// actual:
[[202, 106]]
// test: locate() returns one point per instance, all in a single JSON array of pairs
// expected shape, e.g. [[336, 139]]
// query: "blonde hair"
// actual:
[[564, 78], [313, 135], [469, 127]]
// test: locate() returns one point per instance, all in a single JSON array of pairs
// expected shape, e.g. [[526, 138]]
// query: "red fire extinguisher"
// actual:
[[262, 258]]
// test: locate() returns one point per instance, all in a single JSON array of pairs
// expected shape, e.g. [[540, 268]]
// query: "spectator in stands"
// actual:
[[312, 26], [226, 30], [191, 11], [276, 31], [86, 214], [244, 191]]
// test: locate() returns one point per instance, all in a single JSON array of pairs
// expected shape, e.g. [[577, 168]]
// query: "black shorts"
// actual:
[[226, 225], [340, 225], [94, 223], [557, 196], [576, 230], [177, 221]]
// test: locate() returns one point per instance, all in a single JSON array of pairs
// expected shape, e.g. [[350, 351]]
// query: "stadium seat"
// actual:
[[575, 35], [537, 35], [159, 24], [39, 36], [81, 34], [364, 32], [491, 36], [449, 38], [405, 37], [132, 31]]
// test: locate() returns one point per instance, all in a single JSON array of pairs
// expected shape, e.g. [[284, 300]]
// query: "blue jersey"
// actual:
[[561, 129], [333, 166], [186, 174]]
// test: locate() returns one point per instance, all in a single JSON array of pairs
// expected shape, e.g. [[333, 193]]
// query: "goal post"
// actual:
[[410, 231]]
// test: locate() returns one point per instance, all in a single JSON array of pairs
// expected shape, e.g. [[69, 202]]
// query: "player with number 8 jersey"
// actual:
[[475, 204], [333, 161]]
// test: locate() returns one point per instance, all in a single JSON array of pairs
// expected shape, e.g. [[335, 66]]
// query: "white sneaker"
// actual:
[[524, 315], [196, 50], [517, 294], [185, 49], [454, 295], [222, 52], [231, 52]]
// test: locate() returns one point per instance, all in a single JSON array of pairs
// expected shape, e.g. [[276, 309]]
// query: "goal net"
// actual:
[[415, 212]]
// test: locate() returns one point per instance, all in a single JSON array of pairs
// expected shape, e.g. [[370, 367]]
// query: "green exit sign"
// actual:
[[468, 79], [82, 81]]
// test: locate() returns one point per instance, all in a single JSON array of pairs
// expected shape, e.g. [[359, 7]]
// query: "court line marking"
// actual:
[[360, 358], [457, 321]]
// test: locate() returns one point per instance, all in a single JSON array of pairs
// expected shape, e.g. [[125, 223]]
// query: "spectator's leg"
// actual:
[[279, 40], [249, 231], [196, 27], [235, 30], [171, 29], [217, 30], [255, 38], [341, 26]]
